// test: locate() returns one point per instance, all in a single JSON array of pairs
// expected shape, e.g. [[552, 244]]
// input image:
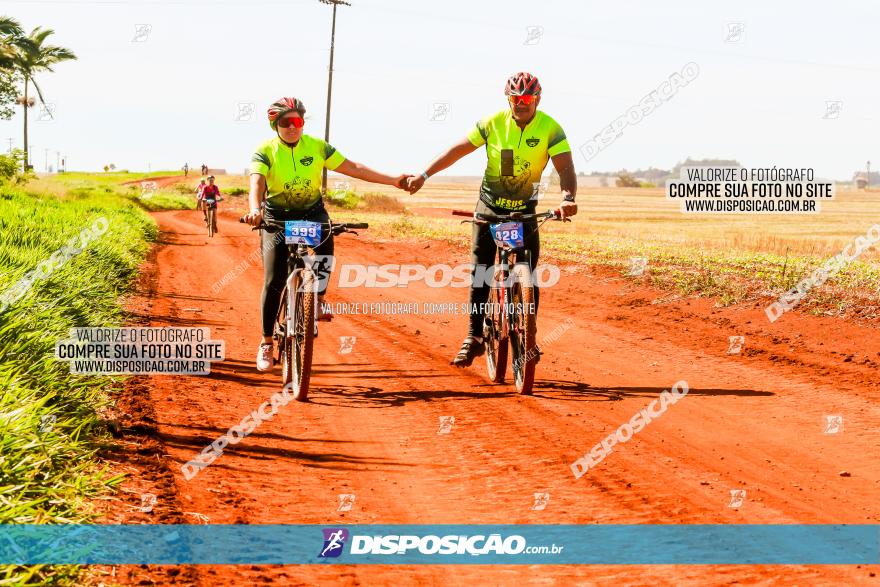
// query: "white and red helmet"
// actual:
[[282, 106], [522, 84]]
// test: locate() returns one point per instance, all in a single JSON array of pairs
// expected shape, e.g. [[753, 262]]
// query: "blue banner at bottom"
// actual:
[[788, 544]]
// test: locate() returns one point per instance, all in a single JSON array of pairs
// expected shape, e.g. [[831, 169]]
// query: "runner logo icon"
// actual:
[[334, 542]]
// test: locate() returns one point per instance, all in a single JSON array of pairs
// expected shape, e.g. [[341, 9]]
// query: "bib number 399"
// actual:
[[508, 235], [302, 232]]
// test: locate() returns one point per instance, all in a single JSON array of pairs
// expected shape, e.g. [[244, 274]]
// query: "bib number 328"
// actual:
[[508, 235], [302, 232]]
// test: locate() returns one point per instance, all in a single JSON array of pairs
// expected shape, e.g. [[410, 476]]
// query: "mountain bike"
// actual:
[[511, 321], [296, 324], [210, 215]]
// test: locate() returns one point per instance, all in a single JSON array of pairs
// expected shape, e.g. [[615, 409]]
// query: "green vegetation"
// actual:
[[136, 187], [24, 56], [52, 423], [626, 180], [11, 168], [371, 201]]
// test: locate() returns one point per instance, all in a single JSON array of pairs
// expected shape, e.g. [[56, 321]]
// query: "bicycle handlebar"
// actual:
[[276, 225], [513, 216]]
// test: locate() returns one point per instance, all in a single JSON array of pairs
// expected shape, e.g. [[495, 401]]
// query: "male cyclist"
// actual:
[[210, 197], [286, 169], [519, 142]]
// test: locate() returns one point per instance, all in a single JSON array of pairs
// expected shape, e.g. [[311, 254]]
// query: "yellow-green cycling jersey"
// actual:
[[293, 174], [516, 157]]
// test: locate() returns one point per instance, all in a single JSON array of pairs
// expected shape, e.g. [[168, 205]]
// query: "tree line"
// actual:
[[22, 57]]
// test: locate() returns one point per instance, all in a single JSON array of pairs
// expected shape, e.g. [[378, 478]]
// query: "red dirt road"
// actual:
[[751, 421]]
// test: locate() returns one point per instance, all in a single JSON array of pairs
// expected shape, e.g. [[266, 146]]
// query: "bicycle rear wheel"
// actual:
[[524, 321], [495, 335], [282, 340]]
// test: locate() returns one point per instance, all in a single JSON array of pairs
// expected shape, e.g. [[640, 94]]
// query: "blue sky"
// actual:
[[172, 95]]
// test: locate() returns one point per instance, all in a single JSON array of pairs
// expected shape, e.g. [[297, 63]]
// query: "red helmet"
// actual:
[[522, 84], [282, 106]]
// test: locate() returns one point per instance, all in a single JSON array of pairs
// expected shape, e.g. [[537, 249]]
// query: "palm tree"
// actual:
[[30, 55], [9, 29]]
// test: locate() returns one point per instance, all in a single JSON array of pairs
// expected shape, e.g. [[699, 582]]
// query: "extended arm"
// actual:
[[361, 171], [444, 160]]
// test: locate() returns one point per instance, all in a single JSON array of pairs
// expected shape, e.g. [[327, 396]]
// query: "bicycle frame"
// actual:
[[504, 268], [295, 265]]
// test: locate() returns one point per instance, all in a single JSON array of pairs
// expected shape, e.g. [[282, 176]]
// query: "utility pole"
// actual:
[[46, 160], [57, 161], [330, 83], [10, 145]]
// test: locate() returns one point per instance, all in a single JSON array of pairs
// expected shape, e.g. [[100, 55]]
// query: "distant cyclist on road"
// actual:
[[286, 185], [519, 141], [210, 197], [199, 189]]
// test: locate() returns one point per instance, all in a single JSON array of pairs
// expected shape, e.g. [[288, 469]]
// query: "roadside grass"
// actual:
[[732, 274], [52, 423], [68, 186], [368, 201]]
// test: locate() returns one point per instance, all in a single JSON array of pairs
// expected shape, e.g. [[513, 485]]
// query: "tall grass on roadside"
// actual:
[[369, 201], [50, 422]]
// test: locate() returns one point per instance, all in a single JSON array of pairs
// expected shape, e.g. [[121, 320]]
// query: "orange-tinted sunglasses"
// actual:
[[527, 99], [296, 121]]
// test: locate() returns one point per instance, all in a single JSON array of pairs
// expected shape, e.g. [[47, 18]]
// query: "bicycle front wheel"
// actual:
[[210, 222], [495, 335], [303, 339], [524, 322]]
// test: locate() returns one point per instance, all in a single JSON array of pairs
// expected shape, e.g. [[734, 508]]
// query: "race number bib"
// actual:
[[508, 235], [302, 232]]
